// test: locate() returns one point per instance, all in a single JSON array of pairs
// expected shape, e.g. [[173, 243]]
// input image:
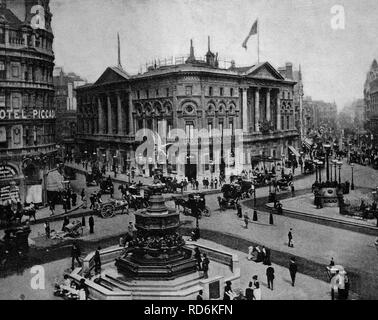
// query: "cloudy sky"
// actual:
[[334, 61]]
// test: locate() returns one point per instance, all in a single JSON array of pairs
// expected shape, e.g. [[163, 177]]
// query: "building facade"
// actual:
[[371, 102], [66, 110], [192, 94], [27, 115]]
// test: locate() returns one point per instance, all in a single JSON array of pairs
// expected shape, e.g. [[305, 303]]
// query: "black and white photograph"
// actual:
[[195, 150]]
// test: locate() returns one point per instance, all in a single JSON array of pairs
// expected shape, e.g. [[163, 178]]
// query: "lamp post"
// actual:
[[334, 164], [339, 163], [316, 170], [352, 185], [327, 148], [320, 163]]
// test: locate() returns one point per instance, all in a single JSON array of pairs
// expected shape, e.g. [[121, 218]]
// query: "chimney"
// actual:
[[289, 70]]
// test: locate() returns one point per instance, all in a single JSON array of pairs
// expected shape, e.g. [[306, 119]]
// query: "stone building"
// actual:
[[371, 102], [66, 109], [189, 94], [27, 115]]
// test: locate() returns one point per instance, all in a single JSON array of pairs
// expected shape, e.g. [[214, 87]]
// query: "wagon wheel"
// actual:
[[206, 212], [107, 210]]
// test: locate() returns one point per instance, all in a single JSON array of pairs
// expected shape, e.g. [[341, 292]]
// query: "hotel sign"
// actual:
[[22, 114]]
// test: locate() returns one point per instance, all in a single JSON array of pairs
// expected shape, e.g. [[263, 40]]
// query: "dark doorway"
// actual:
[[191, 171]]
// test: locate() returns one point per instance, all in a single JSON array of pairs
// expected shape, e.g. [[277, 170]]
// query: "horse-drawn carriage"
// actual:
[[309, 166], [231, 195], [94, 177], [112, 208], [285, 182], [194, 206], [106, 186]]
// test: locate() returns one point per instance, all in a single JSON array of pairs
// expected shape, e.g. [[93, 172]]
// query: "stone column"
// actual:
[[130, 115], [100, 117], [257, 109], [119, 115], [278, 110], [110, 129], [245, 110], [268, 111]]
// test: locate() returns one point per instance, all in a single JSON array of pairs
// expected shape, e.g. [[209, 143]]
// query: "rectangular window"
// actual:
[[288, 122], [2, 70], [2, 100], [221, 92], [157, 92], [231, 124], [167, 92], [147, 94], [221, 127], [189, 130], [231, 92], [210, 91], [15, 71], [2, 35], [138, 94], [188, 90], [15, 103]]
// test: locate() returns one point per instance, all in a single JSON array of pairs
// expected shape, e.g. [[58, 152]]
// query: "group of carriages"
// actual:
[[194, 206]]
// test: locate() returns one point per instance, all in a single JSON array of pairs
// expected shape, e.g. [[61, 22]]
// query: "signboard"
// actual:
[[23, 114], [7, 172]]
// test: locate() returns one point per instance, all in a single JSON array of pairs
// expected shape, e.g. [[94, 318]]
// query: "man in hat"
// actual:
[[293, 270], [91, 224], [290, 237]]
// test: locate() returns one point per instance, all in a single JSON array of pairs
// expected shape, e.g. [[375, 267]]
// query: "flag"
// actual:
[[251, 33]]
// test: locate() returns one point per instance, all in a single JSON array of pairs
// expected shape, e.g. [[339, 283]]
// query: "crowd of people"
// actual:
[[173, 240]]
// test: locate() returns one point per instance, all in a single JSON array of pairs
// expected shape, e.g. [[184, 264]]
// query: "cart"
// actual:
[[113, 207], [331, 271]]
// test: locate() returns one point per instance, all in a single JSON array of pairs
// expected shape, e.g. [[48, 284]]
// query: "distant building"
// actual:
[[66, 109], [189, 93], [295, 75], [371, 102]]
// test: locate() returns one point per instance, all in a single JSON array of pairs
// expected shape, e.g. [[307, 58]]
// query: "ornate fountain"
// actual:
[[157, 250]]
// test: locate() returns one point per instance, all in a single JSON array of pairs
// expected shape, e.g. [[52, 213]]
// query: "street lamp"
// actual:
[[320, 163], [339, 163], [334, 163], [316, 170], [327, 148], [352, 185]]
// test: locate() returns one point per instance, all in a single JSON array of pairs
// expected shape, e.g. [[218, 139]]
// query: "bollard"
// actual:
[[254, 215], [271, 222]]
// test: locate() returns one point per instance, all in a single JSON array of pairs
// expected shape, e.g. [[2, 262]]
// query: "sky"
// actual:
[[334, 61]]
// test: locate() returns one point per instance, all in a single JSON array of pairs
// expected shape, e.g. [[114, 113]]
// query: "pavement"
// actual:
[[306, 288], [305, 203]]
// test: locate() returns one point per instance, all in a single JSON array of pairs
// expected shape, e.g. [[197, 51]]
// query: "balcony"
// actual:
[[258, 136], [107, 137], [26, 85], [10, 153]]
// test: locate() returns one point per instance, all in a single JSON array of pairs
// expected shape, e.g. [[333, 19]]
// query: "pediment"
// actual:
[[264, 71], [112, 75]]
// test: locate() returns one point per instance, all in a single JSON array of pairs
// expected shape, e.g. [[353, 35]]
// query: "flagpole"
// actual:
[[258, 41]]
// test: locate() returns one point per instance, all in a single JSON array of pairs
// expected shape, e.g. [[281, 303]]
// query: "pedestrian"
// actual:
[[205, 266], [292, 190], [66, 222], [47, 229], [246, 220], [197, 185], [83, 220], [197, 256], [271, 222], [228, 293], [52, 207], [270, 277], [240, 212], [332, 263], [92, 199], [255, 218], [293, 270], [335, 284], [249, 292], [199, 296], [91, 224], [216, 183], [82, 194], [97, 260], [290, 237], [341, 285], [75, 255], [347, 286], [257, 291], [74, 199], [130, 230]]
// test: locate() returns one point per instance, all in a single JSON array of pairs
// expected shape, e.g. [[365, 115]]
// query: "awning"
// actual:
[[54, 181], [294, 151]]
